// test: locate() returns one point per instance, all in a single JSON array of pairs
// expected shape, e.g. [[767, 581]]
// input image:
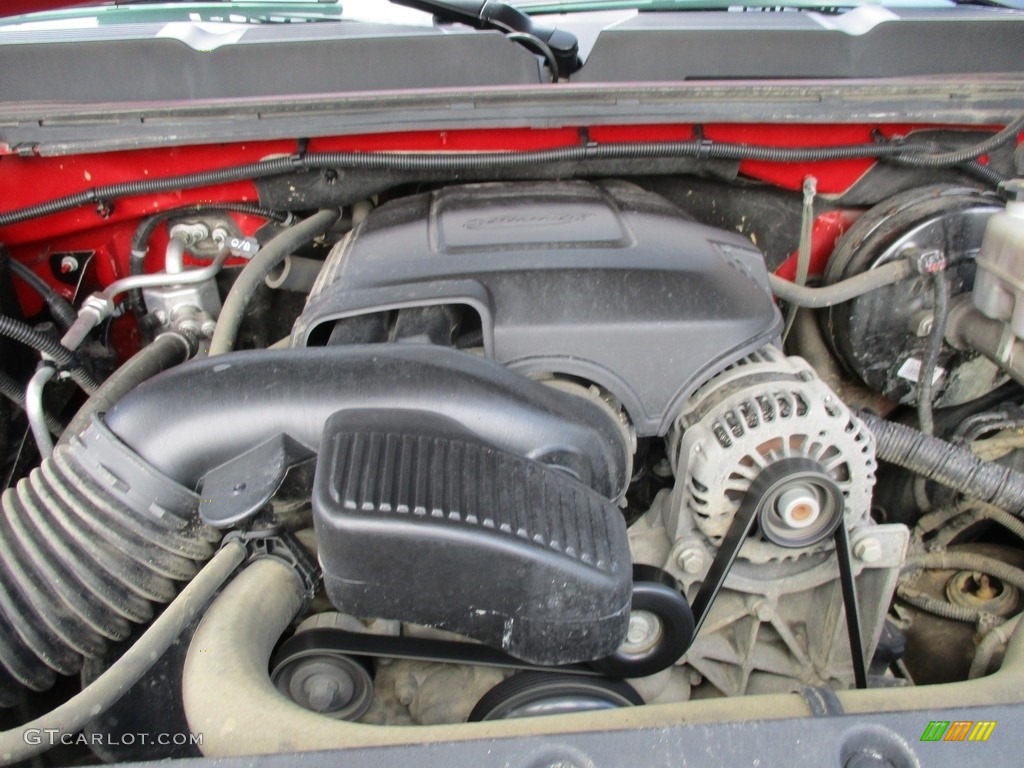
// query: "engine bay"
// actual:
[[325, 445]]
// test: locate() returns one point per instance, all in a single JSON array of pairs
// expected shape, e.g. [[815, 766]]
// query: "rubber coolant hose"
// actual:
[[60, 308], [256, 271], [230, 699]]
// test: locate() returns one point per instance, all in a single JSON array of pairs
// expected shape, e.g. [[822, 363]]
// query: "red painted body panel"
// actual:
[[28, 180]]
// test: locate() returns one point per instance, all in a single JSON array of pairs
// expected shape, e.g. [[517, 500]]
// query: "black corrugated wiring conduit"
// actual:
[[951, 465], [958, 156], [905, 153], [40, 342], [46, 345]]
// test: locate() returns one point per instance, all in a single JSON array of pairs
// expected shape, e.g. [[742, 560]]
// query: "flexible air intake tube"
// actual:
[[80, 563], [107, 526]]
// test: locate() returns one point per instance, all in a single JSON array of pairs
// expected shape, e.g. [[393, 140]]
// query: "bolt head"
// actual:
[[639, 629], [644, 632], [690, 560], [925, 321], [868, 550], [322, 693], [188, 325], [68, 264], [763, 610]]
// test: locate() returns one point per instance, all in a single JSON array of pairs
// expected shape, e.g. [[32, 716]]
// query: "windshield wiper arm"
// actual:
[[490, 14]]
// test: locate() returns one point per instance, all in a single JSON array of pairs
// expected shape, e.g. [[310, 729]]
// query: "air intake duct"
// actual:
[[419, 520], [108, 526]]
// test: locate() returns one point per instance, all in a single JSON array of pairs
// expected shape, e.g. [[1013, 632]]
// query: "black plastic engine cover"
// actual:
[[419, 520], [606, 282]]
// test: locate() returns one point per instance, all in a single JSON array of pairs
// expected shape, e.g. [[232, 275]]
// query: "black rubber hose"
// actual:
[[951, 465], [920, 155], [256, 271], [166, 351], [146, 228], [925, 386], [140, 240], [936, 337], [65, 358], [14, 392], [40, 342], [60, 308]]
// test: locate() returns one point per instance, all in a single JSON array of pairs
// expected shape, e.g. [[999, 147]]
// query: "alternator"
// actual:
[[777, 624], [766, 408]]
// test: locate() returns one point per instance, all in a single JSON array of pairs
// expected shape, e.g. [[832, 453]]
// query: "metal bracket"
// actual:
[[742, 524]]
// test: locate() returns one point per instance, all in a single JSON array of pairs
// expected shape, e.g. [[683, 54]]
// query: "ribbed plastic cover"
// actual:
[[419, 520]]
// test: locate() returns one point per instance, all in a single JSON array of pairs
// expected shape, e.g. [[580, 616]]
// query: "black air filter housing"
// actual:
[[419, 520], [604, 282]]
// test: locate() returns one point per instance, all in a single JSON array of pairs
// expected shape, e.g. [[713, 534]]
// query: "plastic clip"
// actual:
[[282, 545]]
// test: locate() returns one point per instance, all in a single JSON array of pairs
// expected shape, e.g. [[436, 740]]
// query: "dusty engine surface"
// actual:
[[558, 281], [777, 622], [553, 278], [521, 448]]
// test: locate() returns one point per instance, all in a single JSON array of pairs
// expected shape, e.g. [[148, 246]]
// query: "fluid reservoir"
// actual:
[[999, 284]]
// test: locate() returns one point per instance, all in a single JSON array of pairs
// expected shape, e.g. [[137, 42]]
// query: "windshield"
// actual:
[[570, 6], [220, 11], [384, 11]]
